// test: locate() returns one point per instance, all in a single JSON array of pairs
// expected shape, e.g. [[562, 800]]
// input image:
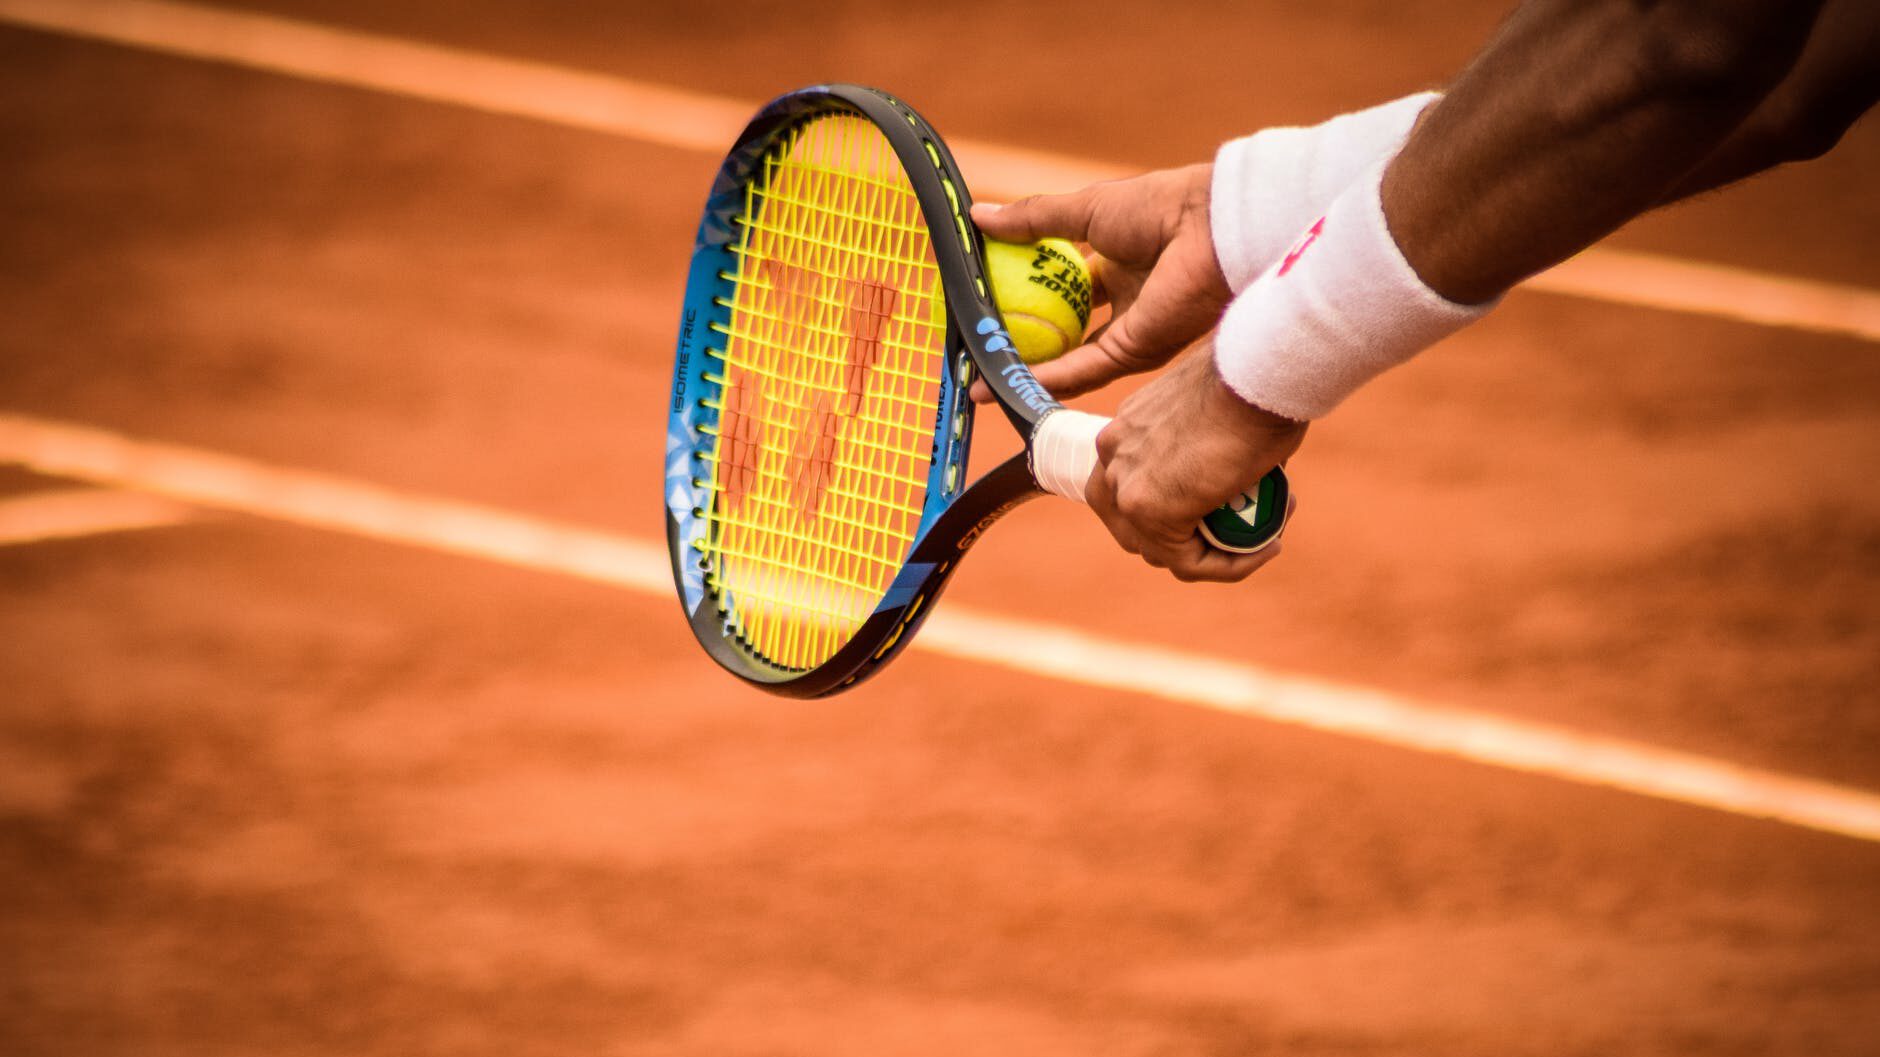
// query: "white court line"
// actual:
[[1064, 653], [697, 121], [1649, 281], [71, 513]]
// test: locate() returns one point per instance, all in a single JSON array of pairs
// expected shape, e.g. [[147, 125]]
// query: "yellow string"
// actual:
[[801, 549]]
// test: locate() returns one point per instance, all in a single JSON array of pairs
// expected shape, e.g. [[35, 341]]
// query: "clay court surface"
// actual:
[[267, 789]]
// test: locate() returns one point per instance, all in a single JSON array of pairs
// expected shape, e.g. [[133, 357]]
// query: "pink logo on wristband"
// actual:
[[1299, 248]]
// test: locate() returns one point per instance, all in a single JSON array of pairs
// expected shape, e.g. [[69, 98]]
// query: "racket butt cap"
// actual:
[[1250, 523]]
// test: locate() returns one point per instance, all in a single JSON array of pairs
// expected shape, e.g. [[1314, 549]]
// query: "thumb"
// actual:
[[1134, 342], [1084, 369], [1166, 315], [1065, 216]]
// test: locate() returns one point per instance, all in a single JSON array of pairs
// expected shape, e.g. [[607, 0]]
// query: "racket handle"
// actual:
[[1064, 455]]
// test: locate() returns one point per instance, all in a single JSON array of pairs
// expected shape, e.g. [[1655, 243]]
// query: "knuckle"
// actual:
[[1021, 218], [1125, 536], [1134, 501], [1120, 343]]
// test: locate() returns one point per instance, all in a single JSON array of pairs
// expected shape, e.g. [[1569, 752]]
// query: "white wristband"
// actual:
[[1268, 186], [1340, 308]]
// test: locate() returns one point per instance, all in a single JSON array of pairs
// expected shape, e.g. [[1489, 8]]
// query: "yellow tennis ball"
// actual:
[[1043, 290]]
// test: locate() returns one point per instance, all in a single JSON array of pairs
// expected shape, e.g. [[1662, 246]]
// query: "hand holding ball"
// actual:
[[1043, 290]]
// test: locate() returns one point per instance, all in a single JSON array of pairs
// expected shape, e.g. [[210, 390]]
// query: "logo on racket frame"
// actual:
[[1016, 375]]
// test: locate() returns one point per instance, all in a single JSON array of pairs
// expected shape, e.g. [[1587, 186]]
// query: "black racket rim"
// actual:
[[976, 345]]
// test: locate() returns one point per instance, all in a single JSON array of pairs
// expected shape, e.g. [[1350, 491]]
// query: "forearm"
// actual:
[[1834, 82], [1579, 116]]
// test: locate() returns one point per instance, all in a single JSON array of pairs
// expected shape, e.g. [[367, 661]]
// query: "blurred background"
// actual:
[[273, 782]]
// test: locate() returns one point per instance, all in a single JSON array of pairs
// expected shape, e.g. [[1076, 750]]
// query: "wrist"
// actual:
[[1338, 309], [1198, 212], [1265, 188], [1251, 417]]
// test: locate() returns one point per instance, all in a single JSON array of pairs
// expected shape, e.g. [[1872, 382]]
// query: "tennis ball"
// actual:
[[1043, 290]]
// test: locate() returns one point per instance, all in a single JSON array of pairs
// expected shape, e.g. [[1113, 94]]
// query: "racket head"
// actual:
[[818, 430]]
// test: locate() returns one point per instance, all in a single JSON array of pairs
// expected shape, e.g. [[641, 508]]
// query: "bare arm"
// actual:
[[1581, 115], [1836, 80], [1578, 116]]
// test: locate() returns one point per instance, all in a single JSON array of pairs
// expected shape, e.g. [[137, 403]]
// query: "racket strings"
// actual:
[[829, 393]]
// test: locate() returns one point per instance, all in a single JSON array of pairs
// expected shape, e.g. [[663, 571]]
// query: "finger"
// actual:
[[1099, 287], [1108, 440], [1166, 316], [1159, 540], [1116, 285], [1114, 350], [1102, 500], [1083, 369], [1175, 557], [1080, 370], [1196, 562], [1065, 216]]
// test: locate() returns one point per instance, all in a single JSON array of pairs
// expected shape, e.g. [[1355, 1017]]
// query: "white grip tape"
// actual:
[[1064, 451]]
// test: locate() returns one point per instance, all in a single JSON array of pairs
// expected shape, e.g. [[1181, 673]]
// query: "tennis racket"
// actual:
[[836, 311]]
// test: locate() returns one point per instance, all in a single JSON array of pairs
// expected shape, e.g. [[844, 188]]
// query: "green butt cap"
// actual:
[[1251, 522]]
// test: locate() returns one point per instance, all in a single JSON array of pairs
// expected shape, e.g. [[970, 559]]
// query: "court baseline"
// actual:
[[1060, 652]]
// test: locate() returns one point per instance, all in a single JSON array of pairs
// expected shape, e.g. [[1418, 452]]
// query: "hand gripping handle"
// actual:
[[1064, 455]]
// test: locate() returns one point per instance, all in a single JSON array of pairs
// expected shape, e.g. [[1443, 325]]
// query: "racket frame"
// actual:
[[977, 346]]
